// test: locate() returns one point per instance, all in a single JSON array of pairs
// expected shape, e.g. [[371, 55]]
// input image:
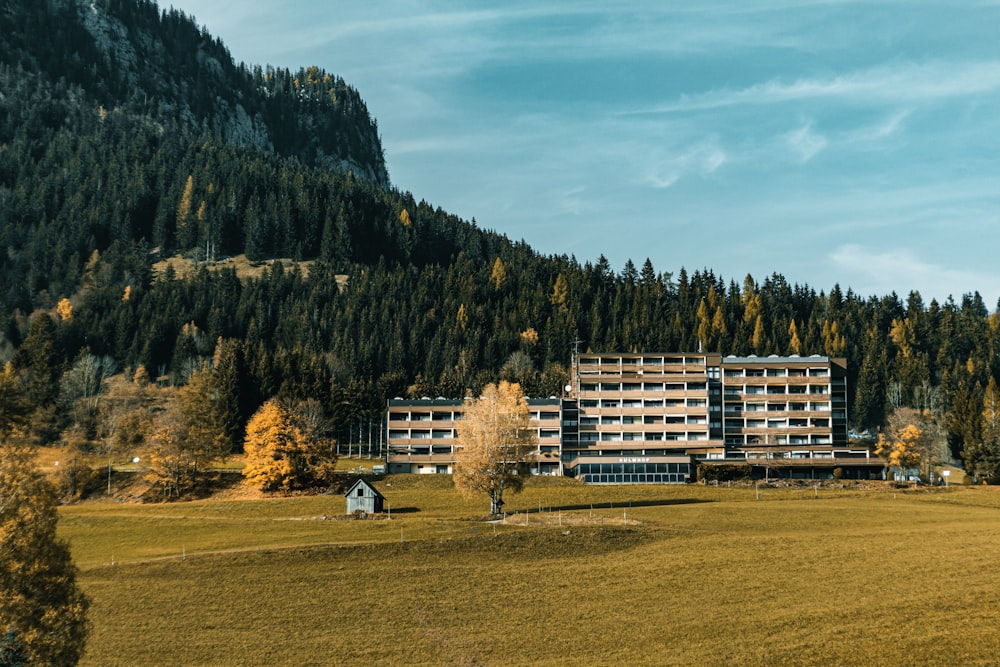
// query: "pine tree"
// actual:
[[43, 613]]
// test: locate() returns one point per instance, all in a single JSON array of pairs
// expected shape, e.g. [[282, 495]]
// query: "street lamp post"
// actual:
[[134, 460]]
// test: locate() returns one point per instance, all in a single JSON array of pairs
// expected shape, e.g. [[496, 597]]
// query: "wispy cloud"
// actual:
[[892, 83], [886, 128], [896, 270], [804, 143], [702, 159]]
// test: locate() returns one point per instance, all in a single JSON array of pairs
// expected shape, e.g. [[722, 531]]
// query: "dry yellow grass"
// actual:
[[184, 268], [686, 575]]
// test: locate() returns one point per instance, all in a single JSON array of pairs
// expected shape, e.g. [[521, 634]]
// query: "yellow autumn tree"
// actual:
[[495, 443], [560, 294], [186, 437], [529, 337], [65, 309], [184, 207], [203, 424], [794, 343], [43, 613], [281, 454], [758, 336], [900, 449], [704, 327], [168, 465], [498, 275]]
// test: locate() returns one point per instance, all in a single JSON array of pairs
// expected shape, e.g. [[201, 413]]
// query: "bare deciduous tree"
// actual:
[[495, 443]]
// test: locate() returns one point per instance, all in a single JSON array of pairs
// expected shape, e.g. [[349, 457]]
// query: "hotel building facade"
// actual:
[[652, 418]]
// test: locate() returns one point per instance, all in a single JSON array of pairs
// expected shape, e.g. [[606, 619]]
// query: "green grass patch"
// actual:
[[650, 575]]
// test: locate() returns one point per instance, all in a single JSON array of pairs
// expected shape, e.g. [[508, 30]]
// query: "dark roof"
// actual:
[[361, 480]]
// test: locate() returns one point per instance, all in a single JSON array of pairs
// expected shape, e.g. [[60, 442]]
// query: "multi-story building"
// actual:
[[422, 435], [641, 417], [789, 415], [651, 418]]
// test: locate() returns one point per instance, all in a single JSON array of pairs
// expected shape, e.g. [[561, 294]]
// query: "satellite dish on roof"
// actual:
[[569, 388]]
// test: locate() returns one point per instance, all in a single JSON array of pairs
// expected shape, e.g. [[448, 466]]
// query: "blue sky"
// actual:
[[851, 143]]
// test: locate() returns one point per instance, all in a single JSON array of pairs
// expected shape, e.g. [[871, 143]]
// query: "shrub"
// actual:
[[723, 472]]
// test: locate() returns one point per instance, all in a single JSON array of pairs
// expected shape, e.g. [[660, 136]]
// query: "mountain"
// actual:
[[129, 55], [130, 132]]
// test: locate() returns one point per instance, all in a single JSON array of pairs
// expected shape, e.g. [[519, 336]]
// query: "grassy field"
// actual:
[[650, 575]]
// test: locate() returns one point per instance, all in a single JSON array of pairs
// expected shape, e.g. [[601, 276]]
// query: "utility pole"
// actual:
[[575, 364]]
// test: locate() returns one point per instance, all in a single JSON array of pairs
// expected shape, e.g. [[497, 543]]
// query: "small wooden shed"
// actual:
[[364, 497]]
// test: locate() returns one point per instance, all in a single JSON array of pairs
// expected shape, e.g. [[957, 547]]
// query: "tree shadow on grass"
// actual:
[[611, 505]]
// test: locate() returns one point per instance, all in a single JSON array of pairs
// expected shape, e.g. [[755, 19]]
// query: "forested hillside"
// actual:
[[128, 135]]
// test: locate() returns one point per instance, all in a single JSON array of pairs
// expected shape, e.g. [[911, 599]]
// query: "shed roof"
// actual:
[[361, 480]]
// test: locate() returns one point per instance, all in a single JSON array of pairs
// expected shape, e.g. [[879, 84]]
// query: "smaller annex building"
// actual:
[[422, 435], [363, 497]]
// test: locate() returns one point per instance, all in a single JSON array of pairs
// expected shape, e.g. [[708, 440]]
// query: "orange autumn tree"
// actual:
[[900, 449], [281, 454], [495, 442]]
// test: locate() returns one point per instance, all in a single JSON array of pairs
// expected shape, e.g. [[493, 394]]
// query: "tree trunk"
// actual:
[[496, 500]]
